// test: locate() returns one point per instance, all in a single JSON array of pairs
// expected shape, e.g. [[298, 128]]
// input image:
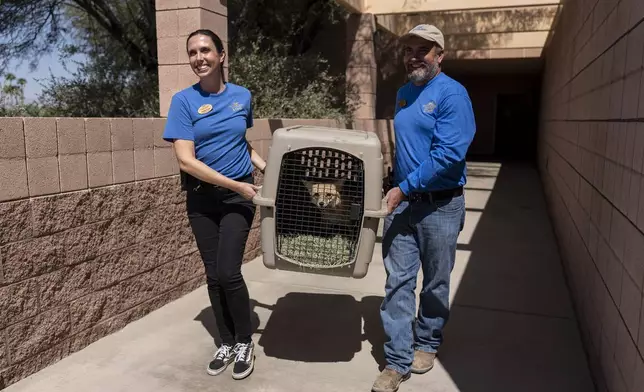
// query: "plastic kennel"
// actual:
[[322, 200]]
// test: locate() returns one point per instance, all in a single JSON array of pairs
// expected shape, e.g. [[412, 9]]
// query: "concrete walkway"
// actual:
[[512, 327]]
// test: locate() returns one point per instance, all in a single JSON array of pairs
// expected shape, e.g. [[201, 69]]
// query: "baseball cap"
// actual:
[[427, 32]]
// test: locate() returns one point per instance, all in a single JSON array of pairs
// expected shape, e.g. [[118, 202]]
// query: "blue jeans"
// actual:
[[418, 234]]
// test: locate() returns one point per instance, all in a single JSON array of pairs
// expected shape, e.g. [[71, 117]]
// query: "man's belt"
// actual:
[[418, 197]]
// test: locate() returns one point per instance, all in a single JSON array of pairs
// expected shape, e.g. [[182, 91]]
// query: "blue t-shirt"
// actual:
[[434, 127], [217, 124]]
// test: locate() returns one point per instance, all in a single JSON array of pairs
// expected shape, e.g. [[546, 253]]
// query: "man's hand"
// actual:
[[394, 197]]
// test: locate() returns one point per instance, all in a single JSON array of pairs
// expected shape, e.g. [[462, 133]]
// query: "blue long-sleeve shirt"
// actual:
[[434, 126]]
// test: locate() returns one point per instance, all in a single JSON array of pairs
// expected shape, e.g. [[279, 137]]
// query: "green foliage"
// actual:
[[12, 92], [12, 98], [271, 42], [294, 24], [108, 85], [289, 86], [29, 28], [272, 55], [117, 76], [24, 110], [99, 90]]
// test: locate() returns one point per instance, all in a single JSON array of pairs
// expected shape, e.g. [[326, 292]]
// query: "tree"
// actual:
[[12, 94], [273, 55], [271, 44], [30, 27], [12, 98], [118, 76]]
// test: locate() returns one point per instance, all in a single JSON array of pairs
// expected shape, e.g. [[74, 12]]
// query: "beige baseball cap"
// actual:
[[427, 32]]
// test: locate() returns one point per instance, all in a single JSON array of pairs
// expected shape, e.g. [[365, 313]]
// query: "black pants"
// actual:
[[220, 221]]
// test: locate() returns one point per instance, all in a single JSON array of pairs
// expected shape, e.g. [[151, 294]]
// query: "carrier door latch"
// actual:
[[382, 213], [262, 201], [356, 209]]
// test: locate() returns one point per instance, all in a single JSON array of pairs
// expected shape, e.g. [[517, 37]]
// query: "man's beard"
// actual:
[[424, 73]]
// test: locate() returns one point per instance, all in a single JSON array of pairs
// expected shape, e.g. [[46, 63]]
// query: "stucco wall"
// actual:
[[591, 158], [93, 231]]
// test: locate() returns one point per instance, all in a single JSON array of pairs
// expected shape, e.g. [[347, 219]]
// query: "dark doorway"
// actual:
[[517, 119]]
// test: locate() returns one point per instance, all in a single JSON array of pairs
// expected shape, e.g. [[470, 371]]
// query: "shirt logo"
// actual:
[[430, 107], [236, 106], [203, 109], [402, 103]]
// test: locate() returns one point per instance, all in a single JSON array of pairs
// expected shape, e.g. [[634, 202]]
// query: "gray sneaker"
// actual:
[[244, 360], [222, 358], [389, 381]]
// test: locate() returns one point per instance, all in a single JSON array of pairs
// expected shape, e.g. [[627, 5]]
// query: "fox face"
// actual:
[[325, 195]]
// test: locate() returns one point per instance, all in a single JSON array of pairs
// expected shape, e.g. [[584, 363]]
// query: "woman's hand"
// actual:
[[248, 191], [185, 153]]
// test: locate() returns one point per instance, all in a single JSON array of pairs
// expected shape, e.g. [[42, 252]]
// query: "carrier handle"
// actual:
[[262, 201], [382, 213]]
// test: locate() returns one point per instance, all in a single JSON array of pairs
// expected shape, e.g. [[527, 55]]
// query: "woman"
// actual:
[[207, 125]]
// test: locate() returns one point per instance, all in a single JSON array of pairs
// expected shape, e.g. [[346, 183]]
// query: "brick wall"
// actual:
[[591, 158], [93, 231]]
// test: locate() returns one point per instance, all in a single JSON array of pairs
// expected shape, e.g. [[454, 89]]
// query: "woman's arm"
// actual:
[[178, 130], [185, 153], [257, 160]]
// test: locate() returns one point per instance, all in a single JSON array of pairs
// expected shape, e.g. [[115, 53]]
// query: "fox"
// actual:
[[327, 197]]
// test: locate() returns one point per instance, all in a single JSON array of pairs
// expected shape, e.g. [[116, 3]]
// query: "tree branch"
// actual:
[[22, 26], [104, 15]]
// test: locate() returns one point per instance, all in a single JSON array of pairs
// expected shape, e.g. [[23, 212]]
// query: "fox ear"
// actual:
[[308, 184]]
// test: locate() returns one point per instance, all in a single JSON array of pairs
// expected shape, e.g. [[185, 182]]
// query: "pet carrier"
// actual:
[[321, 200]]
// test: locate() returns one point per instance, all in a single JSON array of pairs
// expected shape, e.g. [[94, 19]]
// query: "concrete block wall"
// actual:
[[93, 230], [93, 234], [361, 72], [591, 156]]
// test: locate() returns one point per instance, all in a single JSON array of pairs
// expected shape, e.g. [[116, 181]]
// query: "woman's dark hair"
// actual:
[[219, 45]]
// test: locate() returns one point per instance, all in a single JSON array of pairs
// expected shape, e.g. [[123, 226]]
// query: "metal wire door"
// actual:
[[319, 207]]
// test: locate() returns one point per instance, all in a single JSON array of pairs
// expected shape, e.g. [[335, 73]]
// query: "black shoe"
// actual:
[[244, 360], [222, 358]]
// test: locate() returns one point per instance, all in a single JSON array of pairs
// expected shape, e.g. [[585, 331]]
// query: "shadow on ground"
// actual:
[[313, 327], [512, 325]]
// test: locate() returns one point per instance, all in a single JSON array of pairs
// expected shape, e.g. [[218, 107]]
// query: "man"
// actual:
[[434, 127]]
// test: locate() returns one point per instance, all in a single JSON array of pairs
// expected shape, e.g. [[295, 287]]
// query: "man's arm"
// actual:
[[455, 128]]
